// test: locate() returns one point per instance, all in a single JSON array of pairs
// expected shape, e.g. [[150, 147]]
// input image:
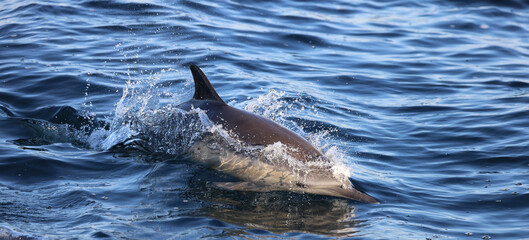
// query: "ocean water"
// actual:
[[425, 103]]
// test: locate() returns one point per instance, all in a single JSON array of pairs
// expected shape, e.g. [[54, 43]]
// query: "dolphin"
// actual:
[[303, 169]]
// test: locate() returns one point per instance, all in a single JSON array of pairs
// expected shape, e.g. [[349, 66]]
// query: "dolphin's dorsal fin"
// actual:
[[203, 88]]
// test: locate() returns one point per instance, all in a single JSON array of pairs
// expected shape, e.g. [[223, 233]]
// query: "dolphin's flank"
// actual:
[[314, 176]]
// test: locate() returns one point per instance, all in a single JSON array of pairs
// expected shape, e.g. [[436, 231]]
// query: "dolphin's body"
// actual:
[[310, 172]]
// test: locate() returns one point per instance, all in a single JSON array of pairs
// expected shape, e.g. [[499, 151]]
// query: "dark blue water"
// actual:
[[426, 102]]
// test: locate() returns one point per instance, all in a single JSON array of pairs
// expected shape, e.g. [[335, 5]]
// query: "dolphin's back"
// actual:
[[256, 130], [248, 127]]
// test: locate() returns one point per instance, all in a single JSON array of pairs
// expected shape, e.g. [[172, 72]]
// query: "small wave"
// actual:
[[305, 39], [7, 233], [121, 5]]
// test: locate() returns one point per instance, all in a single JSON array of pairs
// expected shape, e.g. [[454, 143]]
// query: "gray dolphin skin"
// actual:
[[312, 174]]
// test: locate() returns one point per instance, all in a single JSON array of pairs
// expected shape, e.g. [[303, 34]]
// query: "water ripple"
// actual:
[[425, 100]]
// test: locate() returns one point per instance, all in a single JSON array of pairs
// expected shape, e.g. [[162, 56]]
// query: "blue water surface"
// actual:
[[426, 101]]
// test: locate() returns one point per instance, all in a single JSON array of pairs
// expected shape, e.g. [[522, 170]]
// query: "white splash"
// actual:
[[278, 153], [268, 105], [272, 106]]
